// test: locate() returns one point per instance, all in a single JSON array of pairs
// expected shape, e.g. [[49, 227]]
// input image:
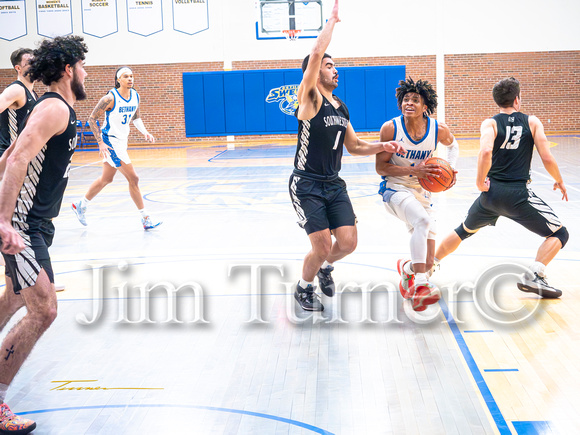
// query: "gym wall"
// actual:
[[531, 40]]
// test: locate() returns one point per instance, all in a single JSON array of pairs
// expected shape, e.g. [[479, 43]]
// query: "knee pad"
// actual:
[[562, 235], [463, 233]]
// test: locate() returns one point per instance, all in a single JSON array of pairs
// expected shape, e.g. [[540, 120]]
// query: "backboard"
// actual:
[[276, 16]]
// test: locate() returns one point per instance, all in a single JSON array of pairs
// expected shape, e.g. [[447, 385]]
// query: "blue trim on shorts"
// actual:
[[116, 160]]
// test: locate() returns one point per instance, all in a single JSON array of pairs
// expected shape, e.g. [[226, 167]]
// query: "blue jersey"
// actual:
[[118, 119]]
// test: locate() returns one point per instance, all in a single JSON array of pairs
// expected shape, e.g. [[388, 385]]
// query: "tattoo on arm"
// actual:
[[9, 352], [97, 113]]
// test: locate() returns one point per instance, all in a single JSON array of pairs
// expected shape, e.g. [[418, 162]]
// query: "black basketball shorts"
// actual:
[[23, 268], [515, 201], [321, 204]]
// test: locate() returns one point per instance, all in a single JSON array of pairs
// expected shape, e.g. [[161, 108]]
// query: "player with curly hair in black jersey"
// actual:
[[503, 173], [318, 194], [35, 176]]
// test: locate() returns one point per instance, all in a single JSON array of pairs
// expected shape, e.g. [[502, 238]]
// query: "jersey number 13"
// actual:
[[512, 137]]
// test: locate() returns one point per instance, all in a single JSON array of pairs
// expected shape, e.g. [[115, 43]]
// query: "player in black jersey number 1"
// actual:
[[318, 194], [33, 183], [503, 173]]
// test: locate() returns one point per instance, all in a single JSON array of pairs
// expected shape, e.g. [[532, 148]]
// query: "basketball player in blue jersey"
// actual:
[[503, 174], [31, 191], [403, 196], [17, 99], [318, 194], [120, 106]]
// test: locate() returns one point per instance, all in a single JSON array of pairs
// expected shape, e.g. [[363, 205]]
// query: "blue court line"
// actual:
[[472, 331], [500, 370], [533, 428], [492, 406], [217, 155], [207, 408], [260, 153]]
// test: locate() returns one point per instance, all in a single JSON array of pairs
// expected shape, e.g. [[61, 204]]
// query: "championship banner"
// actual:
[[54, 17], [12, 19], [100, 17], [190, 16], [145, 17]]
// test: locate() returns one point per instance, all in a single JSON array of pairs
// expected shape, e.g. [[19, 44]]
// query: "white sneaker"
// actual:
[[537, 284], [79, 212], [148, 223]]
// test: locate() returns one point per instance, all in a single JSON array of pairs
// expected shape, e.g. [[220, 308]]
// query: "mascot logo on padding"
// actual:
[[286, 96]]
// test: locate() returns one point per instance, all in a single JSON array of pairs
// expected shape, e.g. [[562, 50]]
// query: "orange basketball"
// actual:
[[444, 181]]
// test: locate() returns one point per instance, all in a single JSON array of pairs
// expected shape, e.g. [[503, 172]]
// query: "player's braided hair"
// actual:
[[53, 55], [421, 87]]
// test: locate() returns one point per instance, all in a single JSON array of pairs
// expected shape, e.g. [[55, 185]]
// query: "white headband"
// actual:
[[123, 71]]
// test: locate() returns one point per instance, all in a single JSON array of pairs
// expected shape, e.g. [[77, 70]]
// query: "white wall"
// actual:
[[368, 28]]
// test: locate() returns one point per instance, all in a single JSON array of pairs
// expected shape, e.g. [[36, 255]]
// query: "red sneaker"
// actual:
[[424, 295], [407, 281]]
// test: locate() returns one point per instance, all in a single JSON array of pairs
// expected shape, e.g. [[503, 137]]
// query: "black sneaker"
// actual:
[[307, 299], [539, 286], [326, 282]]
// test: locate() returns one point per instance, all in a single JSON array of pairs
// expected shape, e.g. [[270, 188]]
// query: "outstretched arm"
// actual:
[[543, 147], [359, 147], [104, 104], [309, 97]]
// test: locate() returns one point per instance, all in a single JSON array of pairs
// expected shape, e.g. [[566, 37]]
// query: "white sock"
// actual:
[[325, 265], [420, 278], [144, 213], [538, 268], [305, 284], [3, 389], [84, 201], [408, 268]]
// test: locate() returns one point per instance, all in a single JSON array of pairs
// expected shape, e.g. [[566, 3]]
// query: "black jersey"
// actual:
[[320, 141], [41, 194], [11, 120], [512, 149]]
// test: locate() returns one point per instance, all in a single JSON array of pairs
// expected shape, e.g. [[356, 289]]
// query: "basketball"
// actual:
[[444, 181]]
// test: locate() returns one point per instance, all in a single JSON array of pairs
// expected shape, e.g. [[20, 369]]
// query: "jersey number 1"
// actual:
[[512, 137], [337, 140]]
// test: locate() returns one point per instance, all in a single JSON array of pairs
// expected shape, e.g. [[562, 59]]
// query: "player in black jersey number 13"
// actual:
[[503, 172], [34, 180], [318, 194]]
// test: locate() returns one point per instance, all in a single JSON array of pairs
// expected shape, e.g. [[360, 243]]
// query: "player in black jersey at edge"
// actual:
[[34, 174], [319, 196], [503, 172], [17, 100]]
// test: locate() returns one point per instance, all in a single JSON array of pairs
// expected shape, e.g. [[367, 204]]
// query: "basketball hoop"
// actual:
[[292, 34]]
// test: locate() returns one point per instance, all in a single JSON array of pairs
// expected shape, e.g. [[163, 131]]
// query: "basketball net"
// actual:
[[291, 35]]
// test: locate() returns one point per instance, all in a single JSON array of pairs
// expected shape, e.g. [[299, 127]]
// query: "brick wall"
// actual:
[[550, 88]]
